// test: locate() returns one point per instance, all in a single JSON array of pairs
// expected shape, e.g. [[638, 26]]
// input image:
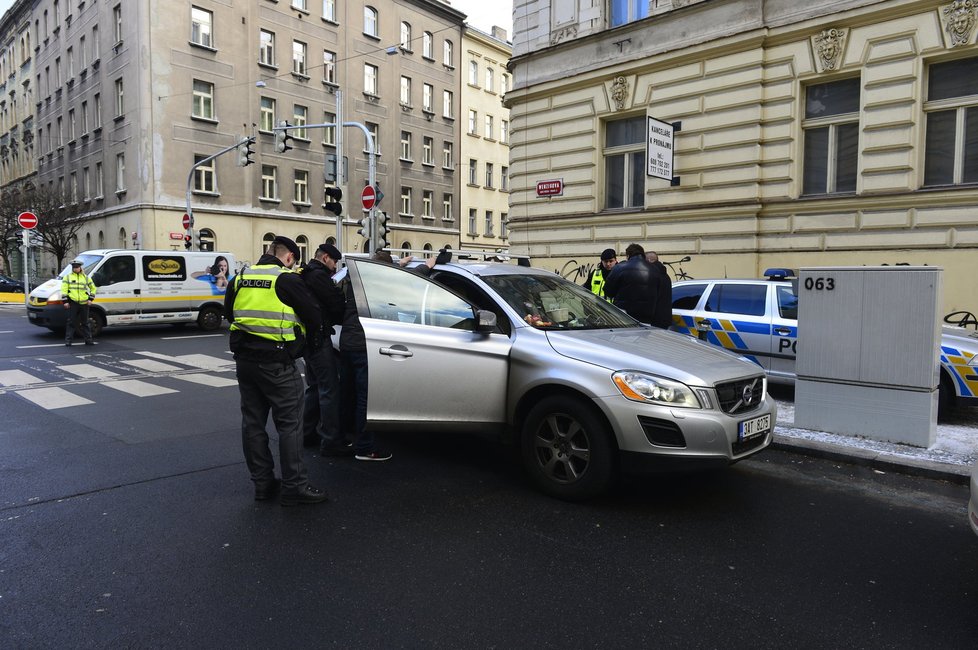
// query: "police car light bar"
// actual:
[[779, 273]]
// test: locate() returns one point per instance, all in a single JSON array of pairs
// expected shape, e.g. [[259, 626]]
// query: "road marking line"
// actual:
[[207, 380], [88, 371], [203, 361], [53, 398], [46, 345], [18, 378], [150, 365], [139, 388], [192, 336]]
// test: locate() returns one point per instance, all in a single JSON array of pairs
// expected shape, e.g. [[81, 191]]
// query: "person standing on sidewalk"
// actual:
[[320, 418], [597, 277], [270, 308], [77, 292]]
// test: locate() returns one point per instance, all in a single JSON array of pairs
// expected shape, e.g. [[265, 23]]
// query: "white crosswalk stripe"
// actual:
[[53, 398], [207, 380], [18, 378], [150, 365], [88, 371], [139, 388]]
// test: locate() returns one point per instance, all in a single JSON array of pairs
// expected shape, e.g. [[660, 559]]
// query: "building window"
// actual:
[[626, 11], [427, 199], [86, 185], [71, 125], [120, 104], [447, 104], [428, 98], [73, 187], [117, 15], [448, 155], [329, 133], [71, 63], [405, 145], [406, 36], [96, 54], [473, 73], [473, 167], [329, 10], [82, 53], [299, 4], [374, 134], [503, 84], [428, 45], [266, 47], [203, 175], [504, 178], [300, 117], [299, 57], [406, 91], [951, 154], [370, 74], [490, 79], [329, 67], [100, 180], [473, 122], [406, 201], [301, 186], [201, 26], [203, 101], [427, 154], [502, 224], [370, 22], [446, 206], [488, 131], [831, 129], [489, 175], [489, 228], [473, 217], [448, 54], [269, 182], [503, 130], [120, 172], [97, 108], [624, 163], [266, 116]]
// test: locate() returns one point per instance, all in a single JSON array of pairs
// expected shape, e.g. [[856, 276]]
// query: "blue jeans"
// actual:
[[320, 413], [353, 399]]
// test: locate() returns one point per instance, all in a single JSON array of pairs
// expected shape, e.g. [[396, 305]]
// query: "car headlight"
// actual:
[[640, 387]]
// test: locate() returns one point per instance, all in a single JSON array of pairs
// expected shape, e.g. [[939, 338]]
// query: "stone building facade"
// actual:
[[806, 134]]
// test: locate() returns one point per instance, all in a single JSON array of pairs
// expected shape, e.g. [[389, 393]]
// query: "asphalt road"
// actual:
[[128, 521]]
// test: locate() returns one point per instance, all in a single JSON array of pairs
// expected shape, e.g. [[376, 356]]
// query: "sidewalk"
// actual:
[[951, 458]]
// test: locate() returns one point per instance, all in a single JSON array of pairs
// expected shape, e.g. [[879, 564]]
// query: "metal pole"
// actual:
[[25, 234], [340, 181]]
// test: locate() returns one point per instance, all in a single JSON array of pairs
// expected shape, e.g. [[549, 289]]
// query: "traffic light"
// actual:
[[333, 197], [282, 138], [364, 230], [197, 246], [382, 230], [329, 170], [245, 152], [188, 242]]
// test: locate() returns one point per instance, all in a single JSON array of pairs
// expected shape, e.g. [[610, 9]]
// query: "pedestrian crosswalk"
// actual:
[[51, 385]]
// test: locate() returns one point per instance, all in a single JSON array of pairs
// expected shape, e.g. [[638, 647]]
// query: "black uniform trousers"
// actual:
[[276, 387], [78, 317]]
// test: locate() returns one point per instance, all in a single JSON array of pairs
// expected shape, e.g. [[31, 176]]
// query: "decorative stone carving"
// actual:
[[959, 20], [563, 34], [619, 92], [828, 47]]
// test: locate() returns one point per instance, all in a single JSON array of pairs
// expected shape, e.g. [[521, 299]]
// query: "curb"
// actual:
[[952, 473]]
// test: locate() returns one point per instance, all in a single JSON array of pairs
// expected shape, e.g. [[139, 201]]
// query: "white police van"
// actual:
[[139, 287]]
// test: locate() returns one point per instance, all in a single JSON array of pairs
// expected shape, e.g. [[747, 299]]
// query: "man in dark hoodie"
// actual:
[[633, 285], [663, 298], [270, 308], [320, 415]]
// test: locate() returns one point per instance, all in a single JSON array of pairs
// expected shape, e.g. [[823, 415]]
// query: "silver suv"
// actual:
[[582, 388], [759, 320]]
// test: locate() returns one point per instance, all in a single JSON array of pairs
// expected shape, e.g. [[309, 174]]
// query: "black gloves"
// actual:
[[444, 256]]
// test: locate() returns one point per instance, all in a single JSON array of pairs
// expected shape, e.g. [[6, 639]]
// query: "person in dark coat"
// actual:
[[633, 286], [663, 302]]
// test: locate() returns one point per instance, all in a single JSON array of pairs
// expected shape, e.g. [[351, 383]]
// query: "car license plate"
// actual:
[[755, 427]]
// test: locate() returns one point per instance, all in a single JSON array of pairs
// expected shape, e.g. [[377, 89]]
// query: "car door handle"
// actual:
[[397, 351], [783, 331]]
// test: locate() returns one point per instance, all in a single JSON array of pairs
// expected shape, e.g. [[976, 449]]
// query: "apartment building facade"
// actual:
[[129, 96], [484, 159], [806, 134]]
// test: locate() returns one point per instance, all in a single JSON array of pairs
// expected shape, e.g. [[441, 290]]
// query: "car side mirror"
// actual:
[[486, 321]]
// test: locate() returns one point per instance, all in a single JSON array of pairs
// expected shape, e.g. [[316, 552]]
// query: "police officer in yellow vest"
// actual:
[[77, 293], [597, 277], [273, 316]]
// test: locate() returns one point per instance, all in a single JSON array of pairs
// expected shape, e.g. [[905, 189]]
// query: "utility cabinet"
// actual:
[[867, 357]]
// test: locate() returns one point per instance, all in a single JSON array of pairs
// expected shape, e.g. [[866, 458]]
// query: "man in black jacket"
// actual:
[[663, 301], [633, 286], [268, 307], [320, 416]]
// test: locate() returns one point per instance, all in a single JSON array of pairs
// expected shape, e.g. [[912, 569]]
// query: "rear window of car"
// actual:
[[787, 303], [743, 299], [686, 296]]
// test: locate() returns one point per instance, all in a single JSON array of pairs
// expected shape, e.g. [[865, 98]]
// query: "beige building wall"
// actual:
[[734, 74], [483, 164]]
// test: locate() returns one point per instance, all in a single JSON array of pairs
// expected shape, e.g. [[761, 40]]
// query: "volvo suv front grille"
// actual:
[[740, 396]]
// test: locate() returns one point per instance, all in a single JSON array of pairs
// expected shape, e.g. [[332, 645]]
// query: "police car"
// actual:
[[759, 320]]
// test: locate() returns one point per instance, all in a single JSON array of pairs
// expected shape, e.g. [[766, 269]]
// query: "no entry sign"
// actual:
[[368, 197], [187, 222], [27, 220]]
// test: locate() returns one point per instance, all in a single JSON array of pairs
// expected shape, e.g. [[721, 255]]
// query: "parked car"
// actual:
[[10, 285], [581, 387], [759, 320]]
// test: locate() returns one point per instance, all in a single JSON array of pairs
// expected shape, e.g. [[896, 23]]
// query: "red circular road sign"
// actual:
[[27, 220], [187, 222], [368, 197]]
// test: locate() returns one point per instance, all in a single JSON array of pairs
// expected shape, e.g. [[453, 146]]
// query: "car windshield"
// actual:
[[551, 302], [88, 263]]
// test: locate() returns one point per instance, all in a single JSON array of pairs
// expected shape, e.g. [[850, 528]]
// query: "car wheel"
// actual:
[[209, 319], [945, 397], [566, 449]]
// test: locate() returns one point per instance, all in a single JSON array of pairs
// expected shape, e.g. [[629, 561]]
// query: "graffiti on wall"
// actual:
[[578, 272]]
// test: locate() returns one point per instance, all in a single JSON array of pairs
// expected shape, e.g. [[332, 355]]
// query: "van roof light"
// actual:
[[779, 273]]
